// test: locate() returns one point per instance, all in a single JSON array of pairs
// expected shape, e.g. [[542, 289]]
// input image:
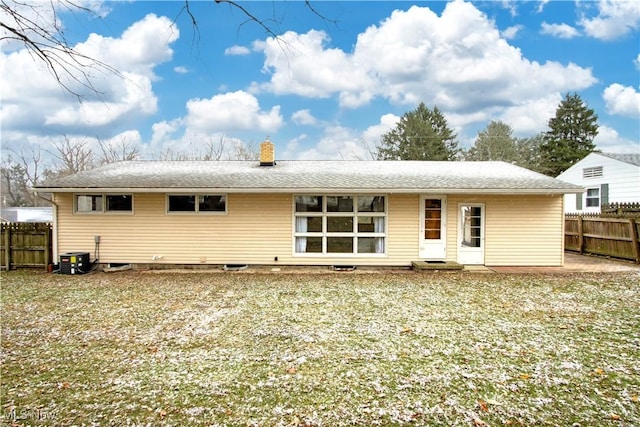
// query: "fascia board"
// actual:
[[322, 190]]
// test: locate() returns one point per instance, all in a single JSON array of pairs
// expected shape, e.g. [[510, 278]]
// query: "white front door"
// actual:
[[471, 233], [433, 228]]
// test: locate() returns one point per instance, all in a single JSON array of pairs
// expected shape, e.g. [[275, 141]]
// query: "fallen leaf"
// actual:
[[162, 413], [64, 385], [525, 376], [598, 371], [615, 417], [483, 406], [406, 330], [478, 422], [634, 398], [292, 370]]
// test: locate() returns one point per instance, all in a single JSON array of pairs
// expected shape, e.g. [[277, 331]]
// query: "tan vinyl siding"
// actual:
[[519, 230], [404, 229], [256, 229]]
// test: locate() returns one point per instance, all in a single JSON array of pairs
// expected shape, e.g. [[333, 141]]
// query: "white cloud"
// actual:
[[164, 130], [304, 117], [511, 32], [616, 18], [231, 111], [237, 51], [137, 99], [542, 4], [637, 61], [372, 134], [622, 100], [39, 104], [141, 47], [531, 117], [301, 65], [341, 143], [181, 70], [291, 149], [608, 140], [338, 143], [457, 61], [563, 31]]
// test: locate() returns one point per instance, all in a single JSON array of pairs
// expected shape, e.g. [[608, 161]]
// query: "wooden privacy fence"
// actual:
[[620, 210], [25, 245], [614, 237]]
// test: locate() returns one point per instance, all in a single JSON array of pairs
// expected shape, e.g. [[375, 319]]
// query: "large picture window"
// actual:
[[104, 203], [197, 203], [335, 225]]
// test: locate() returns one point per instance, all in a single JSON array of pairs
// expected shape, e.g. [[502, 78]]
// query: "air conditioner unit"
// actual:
[[75, 263]]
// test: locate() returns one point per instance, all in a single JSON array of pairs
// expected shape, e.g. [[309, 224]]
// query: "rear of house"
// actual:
[[363, 213]]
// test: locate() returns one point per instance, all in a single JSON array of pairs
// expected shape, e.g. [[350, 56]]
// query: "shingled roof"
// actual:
[[311, 176], [632, 159]]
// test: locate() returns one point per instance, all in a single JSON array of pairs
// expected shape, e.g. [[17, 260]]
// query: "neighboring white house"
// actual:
[[26, 214], [606, 177]]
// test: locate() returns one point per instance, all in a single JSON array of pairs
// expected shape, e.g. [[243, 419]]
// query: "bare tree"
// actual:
[[14, 184], [19, 174], [72, 157], [115, 152], [242, 151], [36, 27], [213, 151]]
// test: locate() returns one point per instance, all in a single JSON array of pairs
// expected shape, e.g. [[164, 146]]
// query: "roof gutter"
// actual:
[[323, 190]]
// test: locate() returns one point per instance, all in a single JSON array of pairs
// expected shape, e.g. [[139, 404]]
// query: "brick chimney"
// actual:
[[267, 153]]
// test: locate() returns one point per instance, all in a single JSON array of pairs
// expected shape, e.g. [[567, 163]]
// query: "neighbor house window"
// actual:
[[100, 203], [593, 172], [334, 225], [197, 203], [593, 197]]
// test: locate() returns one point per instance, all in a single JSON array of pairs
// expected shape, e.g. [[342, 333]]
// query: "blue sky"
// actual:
[[327, 87]]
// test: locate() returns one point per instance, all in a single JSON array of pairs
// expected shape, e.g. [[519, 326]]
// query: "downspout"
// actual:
[[54, 230]]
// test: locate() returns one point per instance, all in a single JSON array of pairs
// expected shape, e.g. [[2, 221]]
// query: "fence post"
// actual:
[[580, 236], [634, 239], [47, 240], [7, 246]]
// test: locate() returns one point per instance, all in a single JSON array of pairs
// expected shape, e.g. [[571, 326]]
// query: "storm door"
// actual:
[[433, 228], [471, 234]]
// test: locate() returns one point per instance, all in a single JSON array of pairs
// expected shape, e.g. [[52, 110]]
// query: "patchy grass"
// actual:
[[331, 350]]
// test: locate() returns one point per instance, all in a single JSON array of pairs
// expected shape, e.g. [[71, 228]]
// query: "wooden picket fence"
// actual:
[[25, 245], [620, 210], [598, 235]]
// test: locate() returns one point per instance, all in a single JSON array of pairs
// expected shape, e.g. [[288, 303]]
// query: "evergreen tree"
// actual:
[[570, 137], [529, 152], [494, 143], [421, 134]]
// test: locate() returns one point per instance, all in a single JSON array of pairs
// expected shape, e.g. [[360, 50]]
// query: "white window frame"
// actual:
[[103, 205], [197, 210], [354, 234], [587, 198]]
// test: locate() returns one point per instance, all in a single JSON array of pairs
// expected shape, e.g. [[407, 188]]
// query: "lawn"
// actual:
[[338, 349]]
